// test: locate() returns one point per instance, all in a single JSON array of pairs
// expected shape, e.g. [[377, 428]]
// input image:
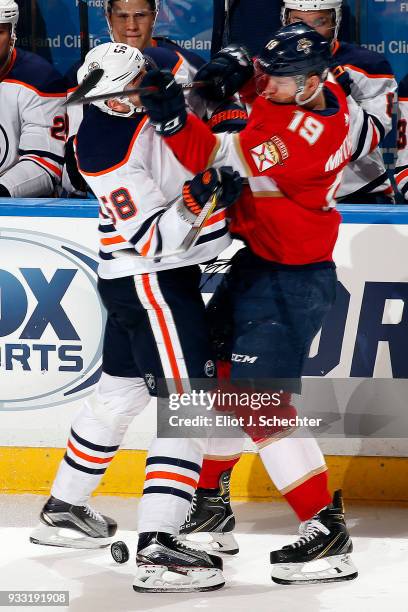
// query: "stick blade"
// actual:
[[89, 82]]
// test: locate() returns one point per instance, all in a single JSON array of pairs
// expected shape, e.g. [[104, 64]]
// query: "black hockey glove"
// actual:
[[228, 117], [198, 191], [4, 192], [342, 78], [166, 106], [226, 73]]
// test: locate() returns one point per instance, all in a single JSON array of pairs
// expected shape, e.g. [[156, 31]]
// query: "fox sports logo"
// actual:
[[51, 321]]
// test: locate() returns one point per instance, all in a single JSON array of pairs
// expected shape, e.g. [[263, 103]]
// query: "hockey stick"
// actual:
[[195, 230], [83, 28], [33, 26], [87, 85], [79, 98], [357, 35]]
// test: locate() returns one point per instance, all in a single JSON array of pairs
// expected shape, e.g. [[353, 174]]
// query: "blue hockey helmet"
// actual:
[[296, 49]]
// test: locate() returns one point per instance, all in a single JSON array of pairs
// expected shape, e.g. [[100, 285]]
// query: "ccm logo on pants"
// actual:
[[243, 358]]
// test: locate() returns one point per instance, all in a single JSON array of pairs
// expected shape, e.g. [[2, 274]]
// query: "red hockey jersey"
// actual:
[[293, 158]]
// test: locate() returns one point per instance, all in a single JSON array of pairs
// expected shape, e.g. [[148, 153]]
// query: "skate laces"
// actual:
[[192, 508], [181, 544], [93, 513], [309, 530]]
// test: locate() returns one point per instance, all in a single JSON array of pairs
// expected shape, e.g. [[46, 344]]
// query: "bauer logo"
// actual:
[[51, 320]]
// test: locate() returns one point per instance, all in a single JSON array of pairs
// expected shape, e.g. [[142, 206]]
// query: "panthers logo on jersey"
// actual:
[[269, 153]]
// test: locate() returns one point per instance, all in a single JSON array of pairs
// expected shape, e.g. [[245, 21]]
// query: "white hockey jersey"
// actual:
[[401, 166], [32, 126], [371, 104], [138, 181]]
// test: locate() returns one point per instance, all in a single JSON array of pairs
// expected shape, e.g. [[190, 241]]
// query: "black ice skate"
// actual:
[[69, 526], [211, 514], [166, 565], [322, 553]]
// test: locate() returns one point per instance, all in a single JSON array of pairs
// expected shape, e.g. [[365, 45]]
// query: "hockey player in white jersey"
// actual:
[[368, 81], [156, 326], [401, 166], [132, 22], [32, 116]]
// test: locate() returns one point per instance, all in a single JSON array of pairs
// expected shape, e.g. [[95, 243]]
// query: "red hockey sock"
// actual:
[[224, 370], [212, 470], [310, 497]]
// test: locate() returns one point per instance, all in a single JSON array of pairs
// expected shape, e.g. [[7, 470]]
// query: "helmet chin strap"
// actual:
[[132, 108], [301, 82]]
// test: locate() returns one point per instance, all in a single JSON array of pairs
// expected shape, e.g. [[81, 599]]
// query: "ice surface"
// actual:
[[96, 582]]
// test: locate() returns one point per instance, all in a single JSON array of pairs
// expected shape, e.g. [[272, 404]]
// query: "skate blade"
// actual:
[[329, 569], [212, 542], [160, 579], [66, 538]]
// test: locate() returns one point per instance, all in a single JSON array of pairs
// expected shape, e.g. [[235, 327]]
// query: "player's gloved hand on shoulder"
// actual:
[[225, 73], [165, 105], [198, 191], [4, 192], [342, 78]]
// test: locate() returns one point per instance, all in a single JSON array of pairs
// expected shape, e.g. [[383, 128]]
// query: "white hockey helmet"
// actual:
[[121, 64], [107, 5], [313, 5], [9, 14]]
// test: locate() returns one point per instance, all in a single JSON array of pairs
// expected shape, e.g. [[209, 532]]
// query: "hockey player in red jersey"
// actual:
[[367, 80], [282, 283], [32, 116]]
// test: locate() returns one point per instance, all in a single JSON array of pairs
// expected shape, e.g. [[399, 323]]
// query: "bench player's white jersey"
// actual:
[[137, 179], [401, 165], [371, 104], [32, 126]]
